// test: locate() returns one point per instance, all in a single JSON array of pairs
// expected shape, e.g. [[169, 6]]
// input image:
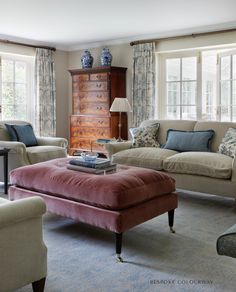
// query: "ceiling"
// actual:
[[76, 24]]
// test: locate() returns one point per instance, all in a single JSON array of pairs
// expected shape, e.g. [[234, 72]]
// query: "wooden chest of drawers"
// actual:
[[93, 91]]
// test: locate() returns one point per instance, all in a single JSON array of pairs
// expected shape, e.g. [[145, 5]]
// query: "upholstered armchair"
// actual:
[[226, 243], [19, 155], [23, 254]]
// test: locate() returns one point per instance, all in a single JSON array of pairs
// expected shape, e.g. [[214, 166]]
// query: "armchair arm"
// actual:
[[52, 141], [13, 212], [115, 147], [233, 176], [24, 256], [17, 155], [15, 147]]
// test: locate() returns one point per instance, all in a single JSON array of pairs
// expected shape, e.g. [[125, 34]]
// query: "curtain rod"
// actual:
[[26, 45], [182, 36]]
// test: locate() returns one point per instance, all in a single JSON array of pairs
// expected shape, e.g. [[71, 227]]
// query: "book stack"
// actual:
[[98, 166]]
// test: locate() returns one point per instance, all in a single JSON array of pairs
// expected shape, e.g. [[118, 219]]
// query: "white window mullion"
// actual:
[[199, 87], [218, 88], [181, 90], [231, 88]]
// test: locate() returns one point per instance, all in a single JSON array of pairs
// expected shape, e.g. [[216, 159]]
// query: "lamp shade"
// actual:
[[120, 104]]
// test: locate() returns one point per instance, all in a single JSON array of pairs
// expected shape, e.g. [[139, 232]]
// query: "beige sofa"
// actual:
[[23, 254], [206, 172], [20, 155]]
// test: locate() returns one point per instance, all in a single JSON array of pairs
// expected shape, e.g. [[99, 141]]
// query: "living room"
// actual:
[[178, 63]]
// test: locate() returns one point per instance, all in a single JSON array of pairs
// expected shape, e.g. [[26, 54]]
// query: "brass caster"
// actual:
[[119, 258], [172, 230]]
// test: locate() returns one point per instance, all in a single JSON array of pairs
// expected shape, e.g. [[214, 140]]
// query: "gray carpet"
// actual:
[[81, 257]]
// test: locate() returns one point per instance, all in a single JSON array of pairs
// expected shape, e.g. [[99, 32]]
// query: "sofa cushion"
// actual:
[[200, 163], [11, 131], [189, 140], [147, 157], [145, 136], [165, 125], [228, 145], [25, 134], [43, 153], [220, 129]]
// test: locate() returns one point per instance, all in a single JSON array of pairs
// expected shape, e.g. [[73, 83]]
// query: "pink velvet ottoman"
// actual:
[[117, 201]]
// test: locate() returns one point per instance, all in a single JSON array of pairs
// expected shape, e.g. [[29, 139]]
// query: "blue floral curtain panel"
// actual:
[[143, 82], [45, 93]]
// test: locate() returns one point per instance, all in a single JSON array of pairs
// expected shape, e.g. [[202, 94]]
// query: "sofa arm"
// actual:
[[24, 256], [52, 141], [17, 155], [233, 176], [114, 147], [15, 147], [13, 212]]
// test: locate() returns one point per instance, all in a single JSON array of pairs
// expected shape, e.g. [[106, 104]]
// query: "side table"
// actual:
[[4, 153], [104, 142]]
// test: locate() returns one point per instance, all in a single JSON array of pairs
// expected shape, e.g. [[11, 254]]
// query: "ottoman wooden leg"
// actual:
[[118, 246], [171, 220], [38, 286]]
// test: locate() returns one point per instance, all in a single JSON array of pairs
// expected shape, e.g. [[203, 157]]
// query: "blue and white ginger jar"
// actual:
[[106, 57], [86, 60]]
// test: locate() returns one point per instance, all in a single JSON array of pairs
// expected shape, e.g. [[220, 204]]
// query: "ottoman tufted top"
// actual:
[[127, 187]]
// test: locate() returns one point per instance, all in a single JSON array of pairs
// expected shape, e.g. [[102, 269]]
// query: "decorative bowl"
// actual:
[[89, 156]]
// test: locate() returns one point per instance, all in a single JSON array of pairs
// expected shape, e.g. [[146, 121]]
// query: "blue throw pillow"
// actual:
[[183, 141], [11, 132], [25, 134]]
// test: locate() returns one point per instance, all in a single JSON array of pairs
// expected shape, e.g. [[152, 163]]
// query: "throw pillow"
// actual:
[[228, 144], [145, 136], [25, 134], [183, 141], [11, 132]]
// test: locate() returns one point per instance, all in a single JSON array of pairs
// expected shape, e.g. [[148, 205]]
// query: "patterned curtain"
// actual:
[[45, 93], [143, 83], [0, 88]]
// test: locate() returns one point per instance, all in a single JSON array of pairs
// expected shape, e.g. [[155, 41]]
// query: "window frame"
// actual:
[[230, 54], [161, 73], [161, 78], [30, 94]]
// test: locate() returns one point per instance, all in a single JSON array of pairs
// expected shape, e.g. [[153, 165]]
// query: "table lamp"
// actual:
[[121, 105]]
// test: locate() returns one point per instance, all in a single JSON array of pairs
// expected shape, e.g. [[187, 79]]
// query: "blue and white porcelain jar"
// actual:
[[106, 57], [86, 60]]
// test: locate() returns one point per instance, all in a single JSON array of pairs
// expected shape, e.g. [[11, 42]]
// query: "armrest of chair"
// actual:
[[17, 154], [13, 212], [233, 176], [14, 146], [115, 147], [24, 256], [52, 141]]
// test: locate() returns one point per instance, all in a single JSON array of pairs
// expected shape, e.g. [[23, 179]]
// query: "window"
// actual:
[[181, 86], [198, 85], [227, 90], [16, 88]]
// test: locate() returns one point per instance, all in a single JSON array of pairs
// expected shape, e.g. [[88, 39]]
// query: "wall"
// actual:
[[122, 57], [218, 39], [62, 98]]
